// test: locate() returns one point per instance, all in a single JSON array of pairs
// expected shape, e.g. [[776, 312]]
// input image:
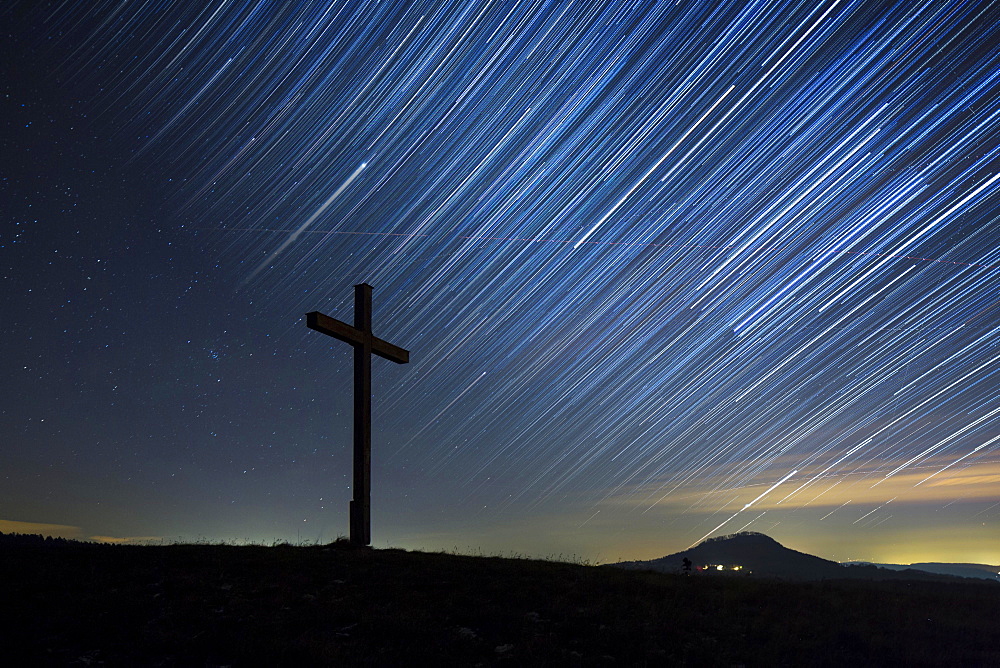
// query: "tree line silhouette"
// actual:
[[33, 540]]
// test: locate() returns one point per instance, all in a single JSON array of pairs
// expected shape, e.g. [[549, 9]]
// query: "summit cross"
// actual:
[[365, 345]]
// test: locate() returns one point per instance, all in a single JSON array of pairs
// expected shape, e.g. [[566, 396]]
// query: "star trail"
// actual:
[[658, 264]]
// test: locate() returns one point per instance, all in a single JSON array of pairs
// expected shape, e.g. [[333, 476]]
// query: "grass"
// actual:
[[219, 605]]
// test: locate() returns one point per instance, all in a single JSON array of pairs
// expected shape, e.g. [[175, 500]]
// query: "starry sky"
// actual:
[[665, 270]]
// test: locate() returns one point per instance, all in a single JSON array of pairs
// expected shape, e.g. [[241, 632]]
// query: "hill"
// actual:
[[215, 605], [978, 571], [753, 553]]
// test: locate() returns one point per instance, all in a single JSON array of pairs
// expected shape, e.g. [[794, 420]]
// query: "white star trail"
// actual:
[[638, 250]]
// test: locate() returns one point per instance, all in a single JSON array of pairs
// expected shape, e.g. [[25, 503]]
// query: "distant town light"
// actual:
[[719, 567]]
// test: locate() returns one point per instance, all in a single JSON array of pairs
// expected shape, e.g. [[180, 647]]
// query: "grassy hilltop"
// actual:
[[217, 605]]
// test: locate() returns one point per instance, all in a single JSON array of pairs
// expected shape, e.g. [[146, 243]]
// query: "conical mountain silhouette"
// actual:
[[754, 552], [762, 556]]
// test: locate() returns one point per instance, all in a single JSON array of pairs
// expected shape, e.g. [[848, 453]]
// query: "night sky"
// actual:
[[665, 271]]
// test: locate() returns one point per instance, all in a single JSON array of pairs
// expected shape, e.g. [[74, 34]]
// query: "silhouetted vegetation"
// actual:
[[198, 605], [33, 540]]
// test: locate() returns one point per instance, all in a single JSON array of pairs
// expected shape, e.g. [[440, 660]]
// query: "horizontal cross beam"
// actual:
[[356, 337]]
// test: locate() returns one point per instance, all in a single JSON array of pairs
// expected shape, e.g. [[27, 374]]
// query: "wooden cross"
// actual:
[[365, 344]]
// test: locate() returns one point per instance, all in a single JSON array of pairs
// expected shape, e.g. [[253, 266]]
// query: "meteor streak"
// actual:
[[745, 507], [309, 221]]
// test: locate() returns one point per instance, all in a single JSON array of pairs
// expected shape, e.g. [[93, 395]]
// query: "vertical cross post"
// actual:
[[365, 344], [361, 505]]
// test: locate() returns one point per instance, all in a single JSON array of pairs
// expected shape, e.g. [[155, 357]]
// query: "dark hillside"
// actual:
[[981, 571], [205, 605]]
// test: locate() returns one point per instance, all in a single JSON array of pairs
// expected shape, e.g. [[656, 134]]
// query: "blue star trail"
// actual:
[[657, 261]]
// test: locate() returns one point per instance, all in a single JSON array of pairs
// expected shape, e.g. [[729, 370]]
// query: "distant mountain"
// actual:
[[754, 553], [978, 571], [758, 555]]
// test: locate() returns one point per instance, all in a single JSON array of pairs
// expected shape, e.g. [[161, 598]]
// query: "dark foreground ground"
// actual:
[[205, 605]]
